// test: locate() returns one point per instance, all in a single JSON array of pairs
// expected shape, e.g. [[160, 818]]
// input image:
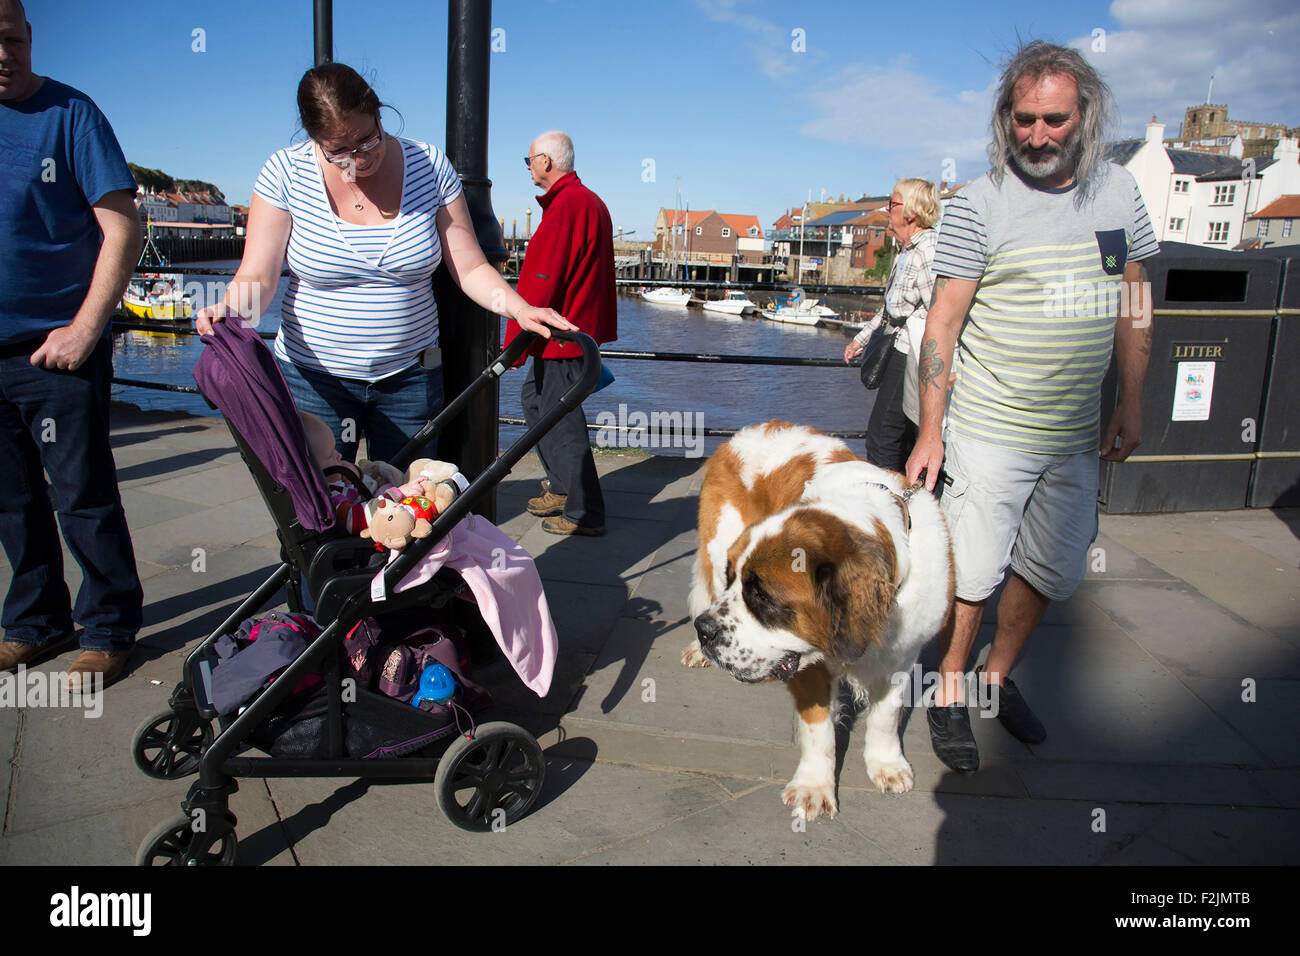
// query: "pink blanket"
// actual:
[[508, 590]]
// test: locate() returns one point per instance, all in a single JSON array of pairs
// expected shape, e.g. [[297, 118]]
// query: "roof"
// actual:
[[742, 222], [1206, 167], [875, 217], [1283, 207], [1123, 151], [836, 218], [682, 217]]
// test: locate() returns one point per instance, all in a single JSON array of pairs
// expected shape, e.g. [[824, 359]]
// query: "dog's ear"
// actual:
[[858, 593]]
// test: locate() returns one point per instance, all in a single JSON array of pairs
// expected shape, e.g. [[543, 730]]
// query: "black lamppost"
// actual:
[[324, 31], [470, 335]]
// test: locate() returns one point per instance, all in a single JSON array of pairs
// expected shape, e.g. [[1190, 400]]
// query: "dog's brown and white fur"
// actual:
[[808, 573]]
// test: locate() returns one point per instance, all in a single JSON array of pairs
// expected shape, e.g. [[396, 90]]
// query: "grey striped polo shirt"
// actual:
[[1037, 340]]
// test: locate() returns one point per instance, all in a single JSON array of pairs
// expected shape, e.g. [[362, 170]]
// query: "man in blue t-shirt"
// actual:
[[69, 238]]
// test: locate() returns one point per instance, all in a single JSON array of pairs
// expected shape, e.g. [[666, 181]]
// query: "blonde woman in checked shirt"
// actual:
[[891, 432]]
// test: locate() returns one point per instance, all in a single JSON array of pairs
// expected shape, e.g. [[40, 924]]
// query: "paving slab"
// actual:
[[1193, 636], [584, 807]]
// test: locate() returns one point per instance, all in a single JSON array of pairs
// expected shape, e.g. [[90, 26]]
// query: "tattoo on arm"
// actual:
[[939, 283], [1144, 346], [930, 366]]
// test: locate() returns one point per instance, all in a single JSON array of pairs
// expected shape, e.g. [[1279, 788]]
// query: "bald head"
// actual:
[[16, 79]]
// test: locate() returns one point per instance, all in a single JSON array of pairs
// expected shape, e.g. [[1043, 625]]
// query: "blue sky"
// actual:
[[753, 104]]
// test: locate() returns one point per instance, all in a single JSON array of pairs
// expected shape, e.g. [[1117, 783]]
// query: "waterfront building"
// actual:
[[1205, 198], [1275, 224]]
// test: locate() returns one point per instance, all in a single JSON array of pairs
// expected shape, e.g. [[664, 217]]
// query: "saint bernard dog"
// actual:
[[813, 567]]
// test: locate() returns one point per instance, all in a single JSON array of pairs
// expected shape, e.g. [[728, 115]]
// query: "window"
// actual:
[[699, 230], [1218, 232], [726, 233], [1180, 185], [1286, 228], [1224, 195], [753, 231], [1176, 225]]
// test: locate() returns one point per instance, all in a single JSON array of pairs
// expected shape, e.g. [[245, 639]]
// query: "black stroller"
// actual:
[[485, 777]]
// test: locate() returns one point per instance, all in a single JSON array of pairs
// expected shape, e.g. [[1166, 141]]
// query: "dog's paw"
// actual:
[[694, 657], [891, 776], [810, 799]]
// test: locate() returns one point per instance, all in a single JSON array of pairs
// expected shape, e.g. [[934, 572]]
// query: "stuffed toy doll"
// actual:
[[408, 503]]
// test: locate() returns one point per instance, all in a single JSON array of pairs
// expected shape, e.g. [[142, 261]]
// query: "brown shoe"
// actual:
[[108, 663], [562, 525], [13, 653], [547, 505]]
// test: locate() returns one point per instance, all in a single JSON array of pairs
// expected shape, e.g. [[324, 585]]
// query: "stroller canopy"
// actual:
[[238, 374]]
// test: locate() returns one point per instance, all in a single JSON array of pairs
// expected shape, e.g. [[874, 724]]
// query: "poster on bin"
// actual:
[[1193, 391]]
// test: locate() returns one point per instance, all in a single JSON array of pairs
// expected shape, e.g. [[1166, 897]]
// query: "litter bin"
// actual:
[[1213, 317], [1276, 482]]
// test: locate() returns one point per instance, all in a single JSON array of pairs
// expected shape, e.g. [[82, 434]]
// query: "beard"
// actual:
[[1048, 161]]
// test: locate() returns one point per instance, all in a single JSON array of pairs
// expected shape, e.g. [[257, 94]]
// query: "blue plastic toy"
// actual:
[[436, 684]]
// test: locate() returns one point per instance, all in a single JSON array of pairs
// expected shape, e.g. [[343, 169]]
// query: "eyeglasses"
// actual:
[[528, 160], [344, 156], [894, 202]]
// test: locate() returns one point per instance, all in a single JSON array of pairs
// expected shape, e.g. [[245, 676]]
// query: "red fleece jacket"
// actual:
[[569, 266]]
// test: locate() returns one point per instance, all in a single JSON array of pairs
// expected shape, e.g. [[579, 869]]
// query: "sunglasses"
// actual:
[[528, 160]]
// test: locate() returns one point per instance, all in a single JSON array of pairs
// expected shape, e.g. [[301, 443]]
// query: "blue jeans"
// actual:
[[387, 412], [56, 423]]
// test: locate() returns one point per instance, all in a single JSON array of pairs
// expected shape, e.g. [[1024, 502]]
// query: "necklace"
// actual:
[[358, 205]]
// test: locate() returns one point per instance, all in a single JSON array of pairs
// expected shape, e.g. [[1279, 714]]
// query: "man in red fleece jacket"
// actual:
[[569, 267]]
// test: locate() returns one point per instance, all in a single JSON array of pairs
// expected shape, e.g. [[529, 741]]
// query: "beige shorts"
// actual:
[[1035, 513]]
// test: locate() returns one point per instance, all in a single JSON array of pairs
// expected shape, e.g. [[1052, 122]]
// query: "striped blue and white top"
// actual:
[[1037, 340], [360, 300]]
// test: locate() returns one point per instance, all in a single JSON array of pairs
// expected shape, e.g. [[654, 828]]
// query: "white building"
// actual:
[[155, 206], [1201, 198]]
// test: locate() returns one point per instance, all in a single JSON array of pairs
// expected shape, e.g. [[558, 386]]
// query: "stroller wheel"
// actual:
[[490, 781], [168, 746], [175, 842]]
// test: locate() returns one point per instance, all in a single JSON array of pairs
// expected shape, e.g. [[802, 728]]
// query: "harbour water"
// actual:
[[707, 395]]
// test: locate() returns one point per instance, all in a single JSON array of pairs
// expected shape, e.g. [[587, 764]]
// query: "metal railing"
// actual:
[[173, 328]]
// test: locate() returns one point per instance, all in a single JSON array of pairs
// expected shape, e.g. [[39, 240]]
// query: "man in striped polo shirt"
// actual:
[[1039, 277]]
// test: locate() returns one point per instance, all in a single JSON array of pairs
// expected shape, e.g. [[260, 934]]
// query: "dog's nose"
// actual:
[[707, 627]]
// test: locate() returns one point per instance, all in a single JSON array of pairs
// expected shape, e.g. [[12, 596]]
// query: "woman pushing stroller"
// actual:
[[364, 218]]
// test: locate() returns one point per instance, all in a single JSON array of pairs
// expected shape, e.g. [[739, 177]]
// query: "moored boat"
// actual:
[[733, 302], [666, 296], [798, 310], [158, 295]]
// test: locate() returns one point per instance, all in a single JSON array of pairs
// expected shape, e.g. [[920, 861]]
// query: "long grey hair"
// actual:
[[1096, 111]]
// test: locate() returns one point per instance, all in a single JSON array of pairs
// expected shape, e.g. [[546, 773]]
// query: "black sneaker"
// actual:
[[1016, 715], [951, 737]]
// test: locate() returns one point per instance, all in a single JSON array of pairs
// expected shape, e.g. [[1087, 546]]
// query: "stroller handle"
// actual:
[[498, 469], [570, 400]]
